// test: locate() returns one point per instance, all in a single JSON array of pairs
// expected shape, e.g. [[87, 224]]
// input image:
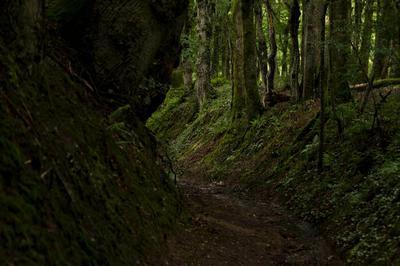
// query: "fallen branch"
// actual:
[[377, 84]]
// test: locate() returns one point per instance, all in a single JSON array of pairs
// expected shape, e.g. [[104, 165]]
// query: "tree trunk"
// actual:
[[215, 51], [285, 45], [203, 83], [395, 70], [246, 101], [228, 68], [186, 62], [322, 90], [339, 50], [385, 33], [312, 46], [262, 45], [250, 57], [226, 53], [358, 9], [366, 34], [294, 22], [273, 51], [239, 90]]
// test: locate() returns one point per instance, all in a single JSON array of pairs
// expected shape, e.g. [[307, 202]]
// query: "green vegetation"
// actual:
[[297, 100], [77, 189], [355, 200]]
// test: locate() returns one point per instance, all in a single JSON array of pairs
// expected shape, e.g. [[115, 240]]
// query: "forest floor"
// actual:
[[227, 227]]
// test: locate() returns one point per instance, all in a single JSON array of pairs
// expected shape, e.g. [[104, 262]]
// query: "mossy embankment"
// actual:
[[355, 201], [78, 185], [82, 180]]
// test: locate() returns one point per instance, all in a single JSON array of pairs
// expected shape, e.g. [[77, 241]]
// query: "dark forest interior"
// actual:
[[200, 132]]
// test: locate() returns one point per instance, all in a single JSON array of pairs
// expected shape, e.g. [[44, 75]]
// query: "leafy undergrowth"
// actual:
[[356, 201], [78, 186]]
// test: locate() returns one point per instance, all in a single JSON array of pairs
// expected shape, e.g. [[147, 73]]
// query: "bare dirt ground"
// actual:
[[226, 228]]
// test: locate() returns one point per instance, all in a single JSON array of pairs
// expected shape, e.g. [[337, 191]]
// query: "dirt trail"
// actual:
[[227, 229]]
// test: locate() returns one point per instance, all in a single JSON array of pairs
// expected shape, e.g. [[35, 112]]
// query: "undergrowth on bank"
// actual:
[[355, 200]]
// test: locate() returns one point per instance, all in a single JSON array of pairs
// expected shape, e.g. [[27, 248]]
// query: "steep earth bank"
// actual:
[[82, 181]]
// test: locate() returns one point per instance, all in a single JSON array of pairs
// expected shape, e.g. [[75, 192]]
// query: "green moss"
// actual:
[[177, 79], [75, 189]]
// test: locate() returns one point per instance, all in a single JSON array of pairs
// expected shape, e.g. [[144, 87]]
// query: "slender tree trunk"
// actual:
[[303, 18], [250, 59], [385, 33], [186, 62], [229, 59], [339, 50], [262, 45], [380, 42], [273, 51], [246, 101], [203, 83], [239, 90], [322, 90], [226, 53], [312, 47], [365, 48], [215, 51], [294, 22], [358, 10], [395, 71], [285, 45]]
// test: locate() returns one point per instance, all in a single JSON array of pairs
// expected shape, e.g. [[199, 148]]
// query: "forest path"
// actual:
[[227, 228]]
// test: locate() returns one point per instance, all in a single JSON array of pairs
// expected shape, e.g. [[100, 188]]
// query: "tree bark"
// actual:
[[358, 9], [226, 52], [322, 90], [239, 90], [250, 67], [285, 45], [294, 22], [385, 33], [312, 46], [186, 62], [339, 50], [203, 83], [262, 46], [365, 48], [245, 101], [395, 69], [273, 51], [216, 48]]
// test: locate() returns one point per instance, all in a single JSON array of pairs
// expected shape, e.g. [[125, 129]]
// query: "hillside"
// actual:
[[353, 202]]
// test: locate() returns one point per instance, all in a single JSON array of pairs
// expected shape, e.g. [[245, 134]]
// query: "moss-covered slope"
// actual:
[[77, 186], [355, 201], [82, 180]]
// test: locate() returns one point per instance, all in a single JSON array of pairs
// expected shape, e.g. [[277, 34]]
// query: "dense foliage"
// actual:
[[326, 140]]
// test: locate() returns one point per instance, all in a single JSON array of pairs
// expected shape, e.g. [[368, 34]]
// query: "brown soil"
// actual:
[[228, 228]]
